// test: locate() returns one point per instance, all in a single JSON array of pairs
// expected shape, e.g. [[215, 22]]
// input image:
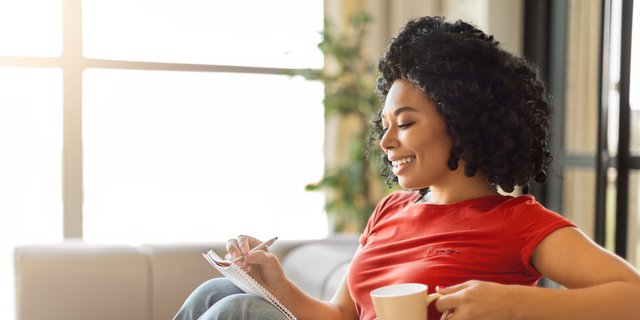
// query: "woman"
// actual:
[[461, 117]]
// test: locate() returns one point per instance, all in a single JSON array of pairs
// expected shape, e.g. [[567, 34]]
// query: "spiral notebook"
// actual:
[[244, 281]]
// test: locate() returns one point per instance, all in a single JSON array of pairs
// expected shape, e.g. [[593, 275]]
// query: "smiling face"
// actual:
[[416, 139]]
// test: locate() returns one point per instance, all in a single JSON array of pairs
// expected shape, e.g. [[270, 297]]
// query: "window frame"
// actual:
[[73, 63], [545, 43], [623, 162]]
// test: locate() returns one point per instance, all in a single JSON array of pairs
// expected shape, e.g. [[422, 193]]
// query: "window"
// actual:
[[145, 121], [30, 165], [590, 57], [276, 34], [175, 156], [619, 131]]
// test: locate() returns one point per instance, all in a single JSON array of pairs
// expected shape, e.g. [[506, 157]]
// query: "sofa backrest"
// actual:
[[318, 267], [77, 280]]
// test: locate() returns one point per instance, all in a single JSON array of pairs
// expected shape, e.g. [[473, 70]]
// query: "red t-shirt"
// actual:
[[488, 239]]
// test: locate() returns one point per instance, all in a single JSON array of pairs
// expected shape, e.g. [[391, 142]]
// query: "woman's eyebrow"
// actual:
[[398, 111], [403, 109]]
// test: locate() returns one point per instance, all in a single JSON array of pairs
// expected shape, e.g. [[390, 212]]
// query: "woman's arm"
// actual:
[[600, 286], [341, 305], [266, 269]]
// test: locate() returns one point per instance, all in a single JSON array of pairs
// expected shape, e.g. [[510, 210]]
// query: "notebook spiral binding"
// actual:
[[257, 287], [248, 281]]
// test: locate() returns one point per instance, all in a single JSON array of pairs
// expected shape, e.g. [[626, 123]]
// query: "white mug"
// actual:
[[407, 301]]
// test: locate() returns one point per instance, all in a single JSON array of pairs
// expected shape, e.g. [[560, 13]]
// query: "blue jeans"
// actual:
[[219, 299]]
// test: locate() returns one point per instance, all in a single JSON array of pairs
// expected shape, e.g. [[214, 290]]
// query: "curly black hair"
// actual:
[[496, 107]]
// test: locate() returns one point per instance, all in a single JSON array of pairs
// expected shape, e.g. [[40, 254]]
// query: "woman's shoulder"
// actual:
[[404, 194], [400, 198], [523, 203], [525, 209], [395, 201]]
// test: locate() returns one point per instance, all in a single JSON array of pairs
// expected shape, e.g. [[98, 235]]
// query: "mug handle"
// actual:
[[433, 297]]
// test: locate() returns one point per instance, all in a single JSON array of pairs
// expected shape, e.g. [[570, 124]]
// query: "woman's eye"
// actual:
[[405, 125]]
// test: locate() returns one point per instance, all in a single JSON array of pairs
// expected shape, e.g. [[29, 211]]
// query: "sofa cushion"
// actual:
[[85, 281], [177, 269]]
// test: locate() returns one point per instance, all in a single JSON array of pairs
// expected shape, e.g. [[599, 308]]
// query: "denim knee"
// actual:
[[243, 306], [205, 296]]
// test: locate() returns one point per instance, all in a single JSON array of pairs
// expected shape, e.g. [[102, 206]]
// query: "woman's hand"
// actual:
[[261, 265], [477, 300]]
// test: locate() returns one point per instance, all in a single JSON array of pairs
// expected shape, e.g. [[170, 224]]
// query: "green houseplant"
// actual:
[[353, 185]]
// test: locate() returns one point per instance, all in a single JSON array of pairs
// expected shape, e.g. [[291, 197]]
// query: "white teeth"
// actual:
[[395, 163]]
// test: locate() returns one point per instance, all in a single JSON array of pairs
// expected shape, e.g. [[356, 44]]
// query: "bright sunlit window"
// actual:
[[30, 165], [185, 156], [193, 154], [168, 155], [257, 33], [30, 28]]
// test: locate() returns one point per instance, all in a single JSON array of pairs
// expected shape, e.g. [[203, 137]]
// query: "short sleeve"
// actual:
[[527, 223]]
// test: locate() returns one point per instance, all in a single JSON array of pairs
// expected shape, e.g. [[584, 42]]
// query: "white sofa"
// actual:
[[76, 280]]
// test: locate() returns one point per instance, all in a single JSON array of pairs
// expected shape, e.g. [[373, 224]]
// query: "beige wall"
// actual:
[[502, 18], [582, 62]]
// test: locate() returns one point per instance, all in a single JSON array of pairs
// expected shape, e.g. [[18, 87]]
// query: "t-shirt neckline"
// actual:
[[486, 199]]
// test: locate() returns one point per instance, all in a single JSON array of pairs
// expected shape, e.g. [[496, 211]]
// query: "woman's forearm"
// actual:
[[615, 300], [305, 307]]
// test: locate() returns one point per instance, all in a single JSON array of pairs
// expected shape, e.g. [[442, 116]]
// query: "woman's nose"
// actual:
[[388, 140]]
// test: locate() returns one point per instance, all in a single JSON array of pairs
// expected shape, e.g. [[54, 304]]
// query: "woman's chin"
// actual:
[[409, 185]]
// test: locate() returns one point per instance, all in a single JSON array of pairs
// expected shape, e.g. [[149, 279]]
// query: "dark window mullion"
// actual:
[[602, 156], [536, 48], [557, 88], [622, 184]]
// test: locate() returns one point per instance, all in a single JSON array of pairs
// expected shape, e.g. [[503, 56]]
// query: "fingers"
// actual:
[[240, 247], [258, 257], [243, 243], [453, 289], [450, 299], [253, 257], [449, 304], [233, 248]]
